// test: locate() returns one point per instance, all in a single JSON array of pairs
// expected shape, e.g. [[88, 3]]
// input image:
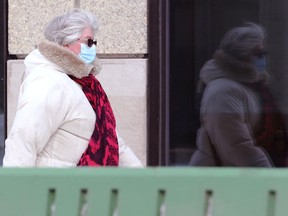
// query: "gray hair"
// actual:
[[241, 41], [67, 28]]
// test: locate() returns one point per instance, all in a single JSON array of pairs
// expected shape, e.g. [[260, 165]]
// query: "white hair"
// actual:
[[240, 41], [67, 28]]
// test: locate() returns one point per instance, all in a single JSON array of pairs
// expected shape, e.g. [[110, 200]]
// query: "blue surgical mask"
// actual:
[[87, 54], [260, 63]]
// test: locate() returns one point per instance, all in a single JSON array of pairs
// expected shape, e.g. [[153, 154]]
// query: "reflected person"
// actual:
[[240, 123]]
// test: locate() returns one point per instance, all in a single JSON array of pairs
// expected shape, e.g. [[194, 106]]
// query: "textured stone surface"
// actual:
[[124, 81], [26, 20], [123, 23]]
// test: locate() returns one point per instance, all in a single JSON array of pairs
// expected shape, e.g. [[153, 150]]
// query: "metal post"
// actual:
[[3, 68]]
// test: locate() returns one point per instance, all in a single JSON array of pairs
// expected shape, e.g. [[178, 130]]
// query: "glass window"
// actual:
[[196, 29]]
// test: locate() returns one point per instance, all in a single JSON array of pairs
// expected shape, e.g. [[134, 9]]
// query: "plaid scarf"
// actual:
[[272, 137], [103, 145]]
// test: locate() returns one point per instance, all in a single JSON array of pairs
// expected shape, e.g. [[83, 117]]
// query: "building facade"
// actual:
[[151, 51]]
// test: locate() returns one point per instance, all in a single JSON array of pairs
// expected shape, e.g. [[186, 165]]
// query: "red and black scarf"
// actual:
[[103, 145], [272, 137]]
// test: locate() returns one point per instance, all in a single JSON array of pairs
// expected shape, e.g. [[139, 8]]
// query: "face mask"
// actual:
[[87, 54], [259, 63]]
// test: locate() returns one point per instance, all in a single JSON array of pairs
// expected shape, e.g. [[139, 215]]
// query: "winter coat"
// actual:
[[230, 115], [54, 120]]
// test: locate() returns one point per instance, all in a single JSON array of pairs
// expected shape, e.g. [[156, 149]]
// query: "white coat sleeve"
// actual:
[[127, 158], [37, 118]]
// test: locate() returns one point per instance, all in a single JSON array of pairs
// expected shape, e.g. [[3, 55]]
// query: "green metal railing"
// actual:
[[144, 192]]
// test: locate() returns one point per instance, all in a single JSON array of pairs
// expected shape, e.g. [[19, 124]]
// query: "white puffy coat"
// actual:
[[54, 120]]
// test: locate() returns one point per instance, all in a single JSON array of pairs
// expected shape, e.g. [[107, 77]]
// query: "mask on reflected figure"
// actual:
[[260, 63]]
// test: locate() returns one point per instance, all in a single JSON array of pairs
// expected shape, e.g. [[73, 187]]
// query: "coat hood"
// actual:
[[60, 59], [227, 66]]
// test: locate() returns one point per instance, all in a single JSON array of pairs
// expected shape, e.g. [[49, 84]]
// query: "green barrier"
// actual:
[[143, 192]]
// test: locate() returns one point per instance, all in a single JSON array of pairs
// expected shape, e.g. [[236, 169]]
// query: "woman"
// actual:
[[64, 117], [240, 123]]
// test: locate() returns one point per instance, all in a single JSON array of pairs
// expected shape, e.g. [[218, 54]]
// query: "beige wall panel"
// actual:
[[26, 20], [124, 81], [123, 25], [15, 70], [130, 114]]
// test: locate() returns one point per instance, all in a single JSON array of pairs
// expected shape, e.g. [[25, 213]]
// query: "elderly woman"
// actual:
[[64, 117], [240, 123]]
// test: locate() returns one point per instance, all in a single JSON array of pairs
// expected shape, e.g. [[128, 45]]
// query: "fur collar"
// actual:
[[236, 69], [67, 60]]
